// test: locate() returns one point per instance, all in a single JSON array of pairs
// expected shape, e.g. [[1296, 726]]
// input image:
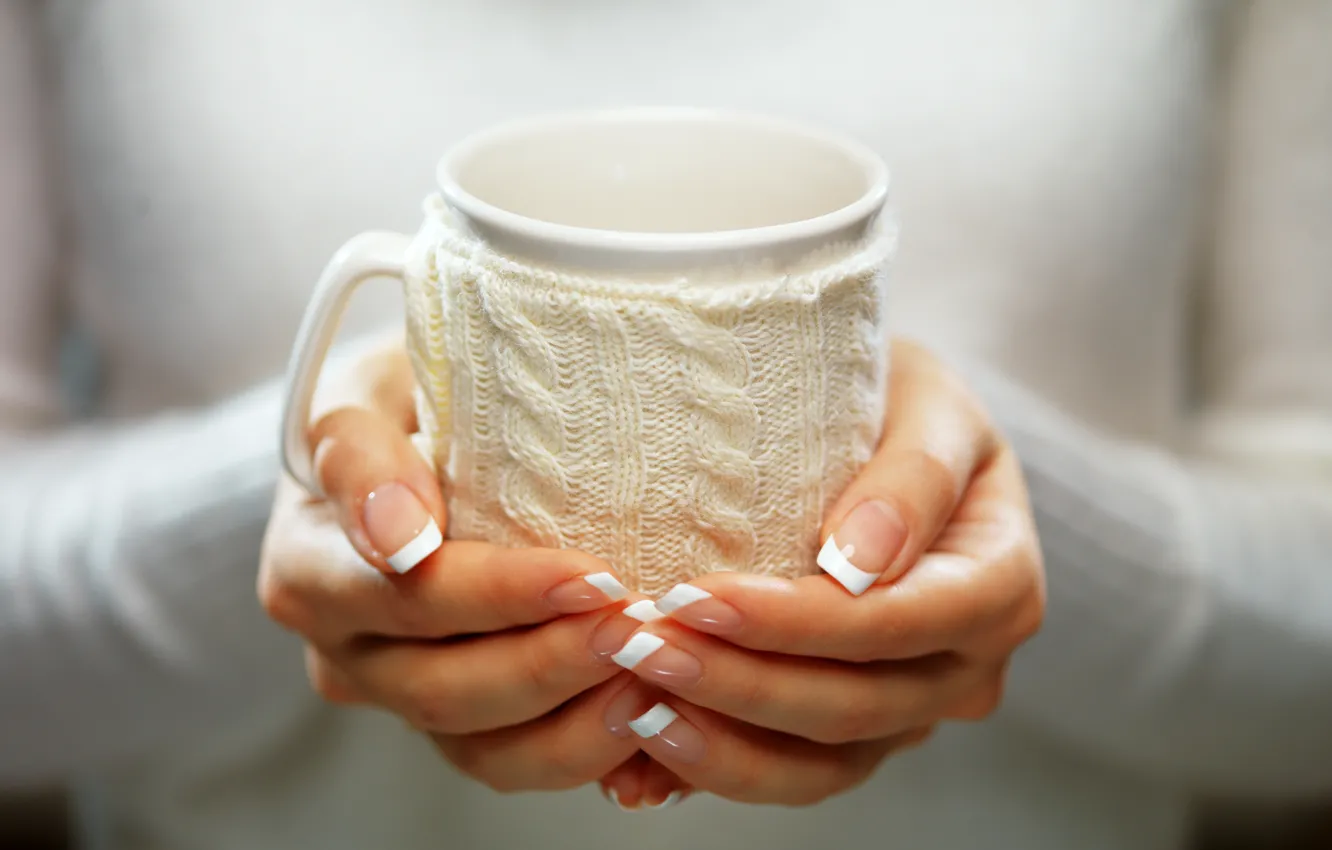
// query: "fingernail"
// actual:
[[614, 797], [654, 721], [639, 647], [670, 666], [397, 522], [661, 722], [671, 799], [864, 547], [696, 608], [585, 593], [609, 637], [629, 704], [643, 611]]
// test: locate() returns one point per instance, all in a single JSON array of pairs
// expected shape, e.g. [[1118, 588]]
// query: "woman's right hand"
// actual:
[[501, 655]]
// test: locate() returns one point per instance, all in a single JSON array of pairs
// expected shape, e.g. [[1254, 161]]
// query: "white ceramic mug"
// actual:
[[654, 335]]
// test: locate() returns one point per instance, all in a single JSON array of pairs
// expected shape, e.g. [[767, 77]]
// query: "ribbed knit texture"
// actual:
[[672, 427]]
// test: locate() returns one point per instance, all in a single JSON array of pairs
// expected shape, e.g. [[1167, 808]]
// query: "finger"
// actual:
[[486, 682], [388, 498], [563, 749], [741, 762], [828, 702], [979, 592], [321, 588], [624, 785], [377, 378], [328, 681], [643, 784], [937, 436], [662, 788]]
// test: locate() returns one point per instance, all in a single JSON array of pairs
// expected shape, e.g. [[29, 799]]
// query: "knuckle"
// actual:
[[751, 694], [1018, 605], [431, 704], [280, 600], [983, 700], [537, 669], [324, 679], [1027, 621]]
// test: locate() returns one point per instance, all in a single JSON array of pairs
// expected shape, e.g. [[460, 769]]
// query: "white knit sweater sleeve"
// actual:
[[127, 557], [1189, 630]]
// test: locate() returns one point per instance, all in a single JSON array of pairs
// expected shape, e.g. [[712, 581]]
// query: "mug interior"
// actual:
[[651, 175], [662, 180]]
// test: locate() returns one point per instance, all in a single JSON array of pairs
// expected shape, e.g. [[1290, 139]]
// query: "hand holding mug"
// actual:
[[488, 650], [779, 691]]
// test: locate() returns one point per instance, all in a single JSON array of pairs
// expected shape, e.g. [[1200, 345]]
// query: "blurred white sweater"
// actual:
[[1117, 218]]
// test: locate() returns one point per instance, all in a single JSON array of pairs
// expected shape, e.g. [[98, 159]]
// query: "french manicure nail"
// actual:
[[643, 611], [671, 667], [627, 705], [696, 608], [607, 584], [663, 723], [671, 799], [864, 547], [609, 637], [396, 522], [639, 647], [651, 722], [585, 593], [614, 797]]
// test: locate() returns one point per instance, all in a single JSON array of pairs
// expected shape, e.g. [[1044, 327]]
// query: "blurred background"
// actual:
[[36, 821]]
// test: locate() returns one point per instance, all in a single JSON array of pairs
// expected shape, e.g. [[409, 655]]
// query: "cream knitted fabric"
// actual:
[[672, 427]]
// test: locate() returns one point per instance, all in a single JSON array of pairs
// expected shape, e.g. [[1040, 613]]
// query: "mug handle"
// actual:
[[369, 255]]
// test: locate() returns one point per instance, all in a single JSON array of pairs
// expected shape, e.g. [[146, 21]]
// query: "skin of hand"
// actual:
[[755, 689], [487, 650], [766, 690]]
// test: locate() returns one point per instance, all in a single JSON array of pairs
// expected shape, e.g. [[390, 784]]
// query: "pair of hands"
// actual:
[[527, 674]]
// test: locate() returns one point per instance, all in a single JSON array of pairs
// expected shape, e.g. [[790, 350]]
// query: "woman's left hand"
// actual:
[[774, 691]]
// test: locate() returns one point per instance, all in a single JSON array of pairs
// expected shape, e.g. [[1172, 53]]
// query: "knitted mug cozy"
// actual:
[[672, 427]]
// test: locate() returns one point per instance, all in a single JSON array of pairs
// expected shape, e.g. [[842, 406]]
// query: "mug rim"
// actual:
[[755, 239]]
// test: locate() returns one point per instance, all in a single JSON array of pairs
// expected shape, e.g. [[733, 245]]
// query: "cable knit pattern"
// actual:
[[723, 423], [672, 427], [532, 488]]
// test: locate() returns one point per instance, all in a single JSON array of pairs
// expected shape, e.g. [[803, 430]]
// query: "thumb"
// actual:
[[937, 436], [386, 496]]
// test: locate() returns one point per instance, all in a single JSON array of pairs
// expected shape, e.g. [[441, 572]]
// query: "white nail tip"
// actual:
[[671, 799], [835, 562], [607, 584], [640, 646], [426, 542], [680, 596], [643, 611], [653, 721]]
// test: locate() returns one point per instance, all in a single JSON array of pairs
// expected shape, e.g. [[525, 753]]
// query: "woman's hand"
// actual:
[[501, 655], [766, 690]]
